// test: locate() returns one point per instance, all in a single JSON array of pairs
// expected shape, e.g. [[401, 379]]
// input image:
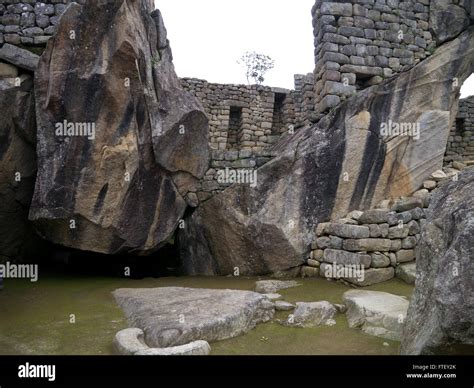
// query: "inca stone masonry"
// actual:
[[357, 44]]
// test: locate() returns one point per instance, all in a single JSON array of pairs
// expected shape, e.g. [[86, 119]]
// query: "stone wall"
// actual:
[[244, 117], [381, 242], [461, 139], [304, 99], [228, 167], [359, 43], [30, 22], [245, 122]]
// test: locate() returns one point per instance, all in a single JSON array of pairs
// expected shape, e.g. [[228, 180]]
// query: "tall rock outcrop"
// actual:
[[441, 314], [345, 162], [120, 144], [17, 166]]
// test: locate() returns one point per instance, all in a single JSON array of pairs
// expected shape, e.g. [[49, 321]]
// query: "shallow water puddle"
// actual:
[[78, 316]]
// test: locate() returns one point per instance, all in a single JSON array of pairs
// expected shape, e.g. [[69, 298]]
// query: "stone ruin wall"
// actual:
[[30, 23], [243, 117], [360, 43], [461, 138], [357, 44], [246, 121]]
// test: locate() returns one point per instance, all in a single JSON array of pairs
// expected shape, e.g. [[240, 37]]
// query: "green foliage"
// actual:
[[256, 65]]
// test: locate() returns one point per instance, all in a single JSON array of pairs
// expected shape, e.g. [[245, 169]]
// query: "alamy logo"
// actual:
[[400, 129], [240, 176], [338, 271], [70, 129], [19, 271], [37, 372]]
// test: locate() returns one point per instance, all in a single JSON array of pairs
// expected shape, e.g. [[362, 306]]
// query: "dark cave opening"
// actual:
[[62, 261]]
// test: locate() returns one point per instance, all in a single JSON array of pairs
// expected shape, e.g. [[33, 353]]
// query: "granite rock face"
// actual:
[[17, 167], [448, 20], [441, 314], [176, 316], [120, 144], [355, 157]]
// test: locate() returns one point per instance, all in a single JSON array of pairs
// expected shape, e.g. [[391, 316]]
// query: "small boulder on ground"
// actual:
[[273, 286], [377, 313], [312, 315], [131, 342]]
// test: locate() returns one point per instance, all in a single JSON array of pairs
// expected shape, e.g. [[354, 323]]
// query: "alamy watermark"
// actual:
[[31, 371], [73, 129], [19, 271], [392, 128], [351, 271], [237, 176]]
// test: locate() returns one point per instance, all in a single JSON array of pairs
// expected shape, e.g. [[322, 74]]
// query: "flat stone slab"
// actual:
[[273, 286], [173, 316], [130, 342], [377, 313]]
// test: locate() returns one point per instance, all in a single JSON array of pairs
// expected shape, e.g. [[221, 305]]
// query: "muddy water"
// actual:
[[78, 316]]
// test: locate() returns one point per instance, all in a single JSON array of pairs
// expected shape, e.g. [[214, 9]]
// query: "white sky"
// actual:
[[209, 36]]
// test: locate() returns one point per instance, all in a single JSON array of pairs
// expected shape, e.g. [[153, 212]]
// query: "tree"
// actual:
[[257, 65]]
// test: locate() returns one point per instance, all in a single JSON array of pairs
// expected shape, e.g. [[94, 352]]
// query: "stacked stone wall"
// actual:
[[359, 43], [261, 120], [373, 246], [30, 22], [461, 139]]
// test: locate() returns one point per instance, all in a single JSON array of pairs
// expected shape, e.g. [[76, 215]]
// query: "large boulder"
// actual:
[[448, 20], [120, 144], [174, 316], [441, 314], [17, 167], [346, 162]]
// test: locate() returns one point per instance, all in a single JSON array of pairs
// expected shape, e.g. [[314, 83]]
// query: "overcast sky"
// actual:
[[209, 36]]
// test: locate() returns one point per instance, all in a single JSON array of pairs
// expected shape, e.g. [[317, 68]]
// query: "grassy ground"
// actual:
[[35, 318]]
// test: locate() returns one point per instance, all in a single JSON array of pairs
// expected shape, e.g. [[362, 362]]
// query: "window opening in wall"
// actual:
[[235, 127], [278, 115], [460, 125]]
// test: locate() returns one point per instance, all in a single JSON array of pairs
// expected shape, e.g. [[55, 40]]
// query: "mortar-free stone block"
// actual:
[[406, 255], [347, 230], [368, 245], [8, 71]]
